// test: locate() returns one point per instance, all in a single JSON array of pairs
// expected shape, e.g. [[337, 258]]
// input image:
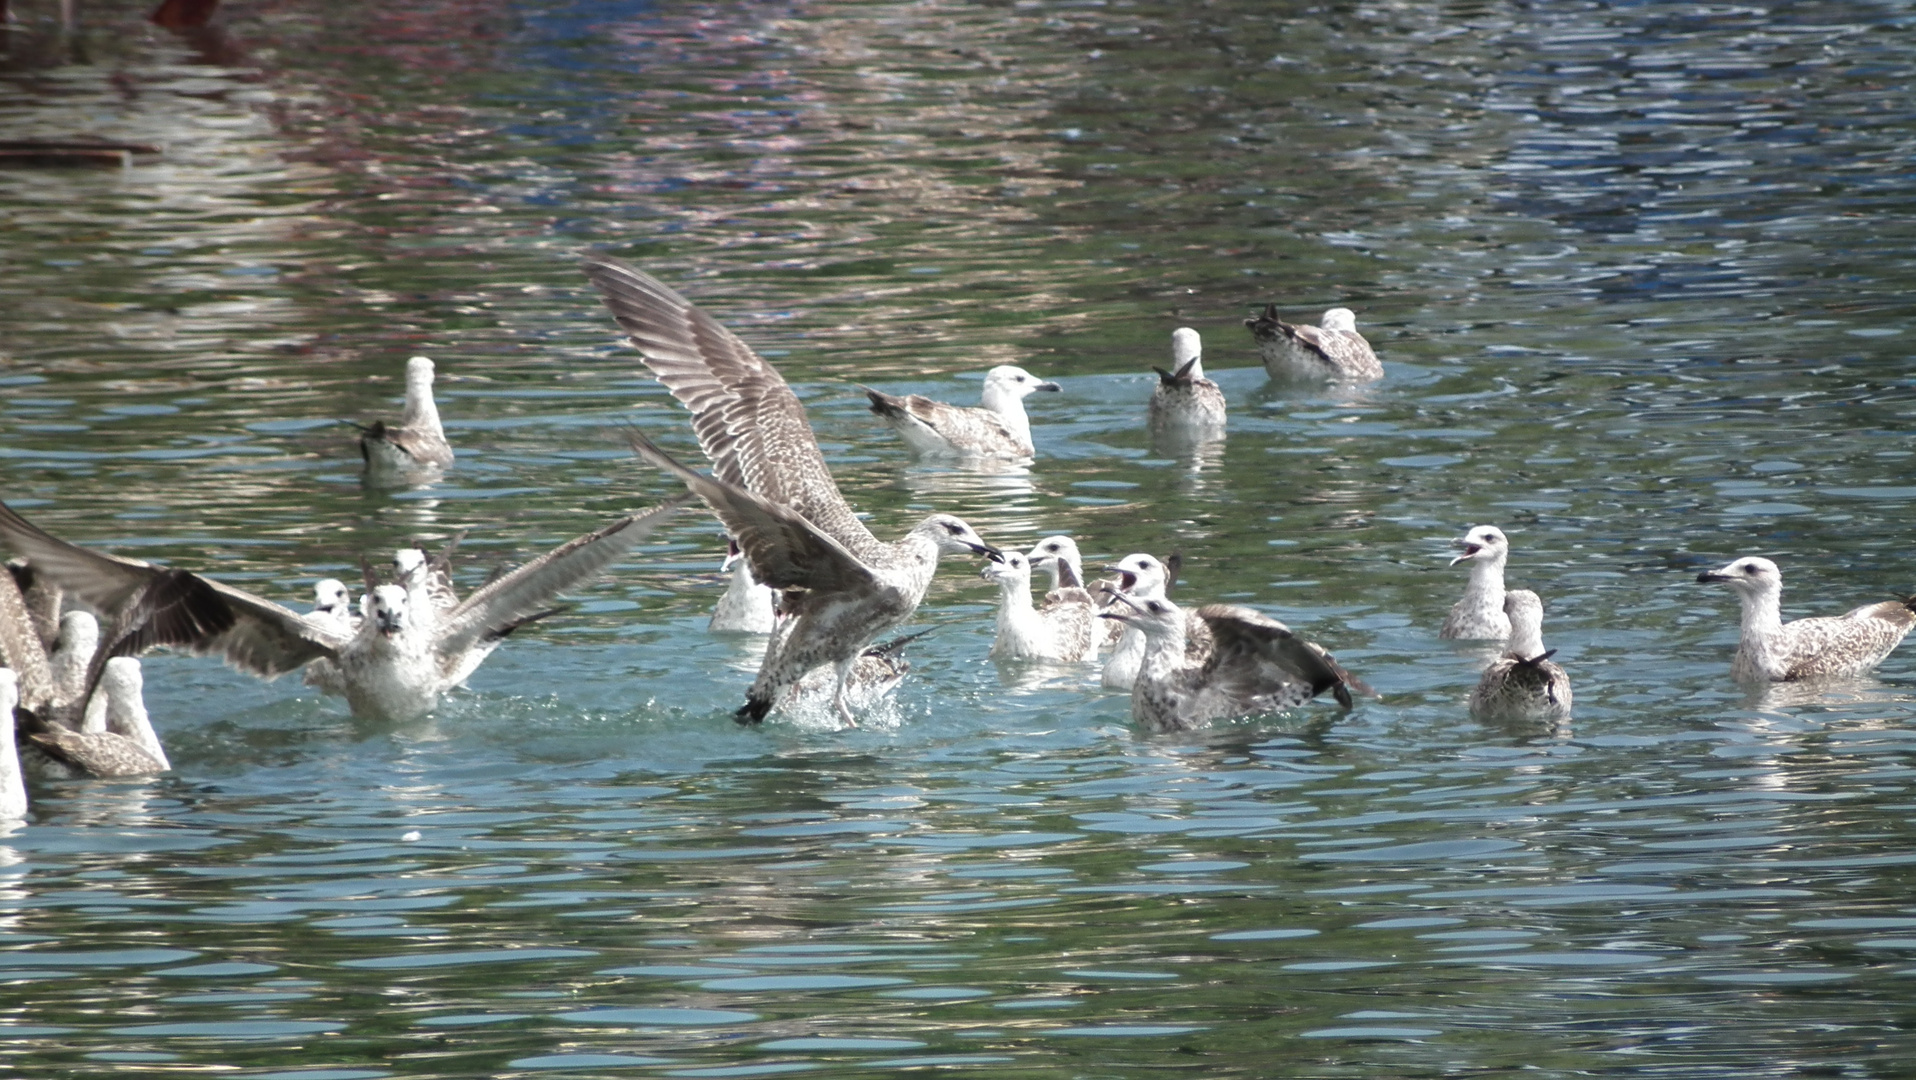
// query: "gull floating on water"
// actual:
[[1776, 651], [1143, 577], [1331, 350], [13, 786], [1185, 403], [841, 587], [1063, 630], [1523, 683], [746, 607], [1060, 557], [935, 429], [1257, 666], [417, 442], [1480, 616], [392, 667]]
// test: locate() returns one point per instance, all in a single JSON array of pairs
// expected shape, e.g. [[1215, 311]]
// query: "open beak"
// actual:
[[732, 555], [387, 624], [1471, 551]]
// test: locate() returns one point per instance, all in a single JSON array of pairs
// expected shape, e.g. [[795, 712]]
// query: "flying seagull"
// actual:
[[393, 666], [841, 586], [935, 429]]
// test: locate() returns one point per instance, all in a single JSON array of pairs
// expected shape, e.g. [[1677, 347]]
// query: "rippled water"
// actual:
[[1639, 274]]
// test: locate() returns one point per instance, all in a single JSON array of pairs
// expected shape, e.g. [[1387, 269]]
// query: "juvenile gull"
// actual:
[[746, 607], [1331, 350], [42, 597], [13, 786], [333, 602], [1062, 631], [1776, 651], [1059, 556], [427, 579], [841, 587], [835, 598], [417, 441], [1143, 577], [935, 429], [124, 744], [23, 647], [392, 667], [1258, 666], [1185, 403], [877, 672], [73, 653], [1523, 684], [1479, 616]]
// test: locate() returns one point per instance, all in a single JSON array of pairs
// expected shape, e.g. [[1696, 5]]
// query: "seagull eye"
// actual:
[[1749, 568], [954, 530]]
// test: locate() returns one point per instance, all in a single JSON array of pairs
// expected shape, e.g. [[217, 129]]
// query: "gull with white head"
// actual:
[[417, 443], [746, 607], [1331, 350], [999, 429], [1143, 577], [1772, 650], [1523, 683], [1258, 666], [840, 586], [1063, 630], [1186, 404], [1479, 615]]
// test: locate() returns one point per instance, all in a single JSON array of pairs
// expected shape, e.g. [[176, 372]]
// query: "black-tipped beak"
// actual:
[[1048, 386], [1115, 616], [1711, 576], [1471, 551], [988, 552]]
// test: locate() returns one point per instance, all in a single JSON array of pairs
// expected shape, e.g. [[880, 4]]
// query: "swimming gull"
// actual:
[[392, 667], [1258, 666], [935, 429], [1143, 577], [1059, 556], [123, 744], [1062, 631], [332, 601], [877, 672], [1523, 684], [427, 579], [835, 598], [841, 586], [13, 786], [1479, 615], [1185, 402], [1778, 651], [746, 606], [1331, 350], [417, 442]]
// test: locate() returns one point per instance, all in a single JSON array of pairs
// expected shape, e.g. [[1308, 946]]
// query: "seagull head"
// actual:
[[733, 553], [1339, 319], [79, 634], [1140, 575], [122, 679], [1486, 542], [1060, 552], [408, 561], [1156, 617], [389, 609], [330, 596], [1006, 385], [1525, 609], [1749, 576], [954, 537], [1009, 568]]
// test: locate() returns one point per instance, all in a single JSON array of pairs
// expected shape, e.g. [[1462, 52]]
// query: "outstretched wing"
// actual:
[[508, 601], [147, 606], [748, 420], [784, 549]]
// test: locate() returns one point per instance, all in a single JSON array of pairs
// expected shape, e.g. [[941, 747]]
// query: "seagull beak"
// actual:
[[987, 551], [1116, 616], [1471, 551], [1711, 576], [1048, 386]]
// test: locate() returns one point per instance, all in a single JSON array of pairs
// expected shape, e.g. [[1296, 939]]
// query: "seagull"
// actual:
[[43, 599], [23, 648], [835, 598], [333, 602], [121, 742], [1143, 577], [1059, 555], [1185, 402], [13, 786], [1479, 616], [935, 429], [417, 442], [747, 607], [1523, 683], [877, 672], [1776, 651], [1064, 630], [72, 654], [841, 587], [428, 578], [1258, 666], [392, 667], [1331, 350]]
